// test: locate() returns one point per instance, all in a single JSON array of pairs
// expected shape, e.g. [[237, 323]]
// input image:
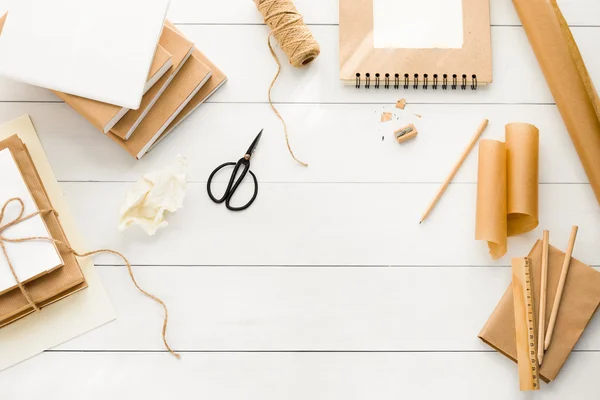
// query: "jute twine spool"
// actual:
[[294, 38], [4, 225]]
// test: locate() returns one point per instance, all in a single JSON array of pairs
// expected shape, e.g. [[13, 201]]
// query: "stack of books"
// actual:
[[181, 78]]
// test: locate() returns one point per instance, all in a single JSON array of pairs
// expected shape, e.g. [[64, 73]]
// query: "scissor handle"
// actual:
[[233, 184]]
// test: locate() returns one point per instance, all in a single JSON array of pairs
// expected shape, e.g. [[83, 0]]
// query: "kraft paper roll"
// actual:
[[490, 220], [507, 187], [522, 153], [567, 78]]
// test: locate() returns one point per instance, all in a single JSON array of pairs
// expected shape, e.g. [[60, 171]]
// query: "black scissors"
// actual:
[[233, 183]]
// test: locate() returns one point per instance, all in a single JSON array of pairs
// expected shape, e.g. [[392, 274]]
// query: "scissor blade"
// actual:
[[254, 144]]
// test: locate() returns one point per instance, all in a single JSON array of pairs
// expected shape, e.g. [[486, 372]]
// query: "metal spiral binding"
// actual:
[[419, 81]]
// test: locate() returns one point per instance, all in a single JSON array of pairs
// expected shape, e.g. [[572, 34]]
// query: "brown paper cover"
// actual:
[[180, 48], [580, 300], [103, 115], [490, 217], [358, 55], [568, 79], [215, 81], [58, 283], [181, 90], [522, 154]]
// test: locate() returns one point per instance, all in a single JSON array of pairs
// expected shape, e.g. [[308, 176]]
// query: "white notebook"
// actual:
[[32, 258], [98, 49]]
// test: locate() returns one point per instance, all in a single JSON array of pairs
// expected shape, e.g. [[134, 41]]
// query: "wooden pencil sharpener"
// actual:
[[406, 133]]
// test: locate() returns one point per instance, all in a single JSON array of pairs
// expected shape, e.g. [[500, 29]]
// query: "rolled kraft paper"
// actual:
[[522, 153], [490, 219], [567, 78]]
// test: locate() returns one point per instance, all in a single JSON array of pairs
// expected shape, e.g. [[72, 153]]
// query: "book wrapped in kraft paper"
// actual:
[[183, 88], [104, 116], [507, 187], [181, 49], [581, 298], [57, 284], [568, 79], [71, 316], [217, 79]]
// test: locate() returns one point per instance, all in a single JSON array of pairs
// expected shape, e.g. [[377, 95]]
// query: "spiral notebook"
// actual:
[[438, 44]]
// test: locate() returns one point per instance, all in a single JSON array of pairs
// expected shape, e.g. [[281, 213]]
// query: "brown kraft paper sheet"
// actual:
[[581, 298], [57, 284], [507, 187], [568, 79]]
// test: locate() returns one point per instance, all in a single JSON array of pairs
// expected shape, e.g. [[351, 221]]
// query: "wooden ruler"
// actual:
[[525, 325]]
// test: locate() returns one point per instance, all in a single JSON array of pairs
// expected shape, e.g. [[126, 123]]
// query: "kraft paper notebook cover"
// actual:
[[74, 315], [580, 301], [217, 79], [79, 43], [185, 85], [54, 285], [32, 259], [104, 116], [442, 44], [181, 49]]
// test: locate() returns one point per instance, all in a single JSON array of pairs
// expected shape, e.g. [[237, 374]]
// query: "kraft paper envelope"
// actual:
[[507, 187], [71, 316], [568, 79], [580, 300]]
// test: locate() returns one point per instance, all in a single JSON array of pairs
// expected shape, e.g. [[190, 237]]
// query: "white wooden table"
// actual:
[[327, 287]]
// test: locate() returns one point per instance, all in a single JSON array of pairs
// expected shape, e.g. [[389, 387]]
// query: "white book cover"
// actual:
[[32, 258], [101, 50]]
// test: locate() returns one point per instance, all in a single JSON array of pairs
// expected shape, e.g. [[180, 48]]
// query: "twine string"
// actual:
[[296, 41], [21, 218]]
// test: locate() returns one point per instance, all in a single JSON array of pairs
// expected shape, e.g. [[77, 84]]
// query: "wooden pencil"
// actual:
[[542, 306], [560, 288], [455, 169]]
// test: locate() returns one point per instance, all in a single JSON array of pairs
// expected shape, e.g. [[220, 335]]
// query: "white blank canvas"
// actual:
[[29, 258], [99, 49], [418, 24]]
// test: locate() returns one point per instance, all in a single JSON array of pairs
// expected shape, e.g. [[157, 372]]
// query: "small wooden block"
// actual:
[[386, 116], [406, 133], [401, 104]]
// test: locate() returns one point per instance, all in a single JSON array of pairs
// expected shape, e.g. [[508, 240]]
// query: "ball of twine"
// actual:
[[294, 38]]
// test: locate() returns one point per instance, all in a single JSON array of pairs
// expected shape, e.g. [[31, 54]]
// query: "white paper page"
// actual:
[[418, 24], [30, 258], [69, 317], [98, 49]]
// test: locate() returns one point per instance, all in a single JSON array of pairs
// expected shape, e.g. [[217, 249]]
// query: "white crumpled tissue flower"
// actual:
[[152, 196]]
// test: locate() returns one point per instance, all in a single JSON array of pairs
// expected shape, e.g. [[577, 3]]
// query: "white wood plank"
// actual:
[[577, 12], [328, 224], [291, 376], [242, 53], [342, 143], [296, 308]]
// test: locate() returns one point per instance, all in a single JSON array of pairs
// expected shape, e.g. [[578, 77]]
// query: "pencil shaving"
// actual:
[[386, 116], [401, 104]]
